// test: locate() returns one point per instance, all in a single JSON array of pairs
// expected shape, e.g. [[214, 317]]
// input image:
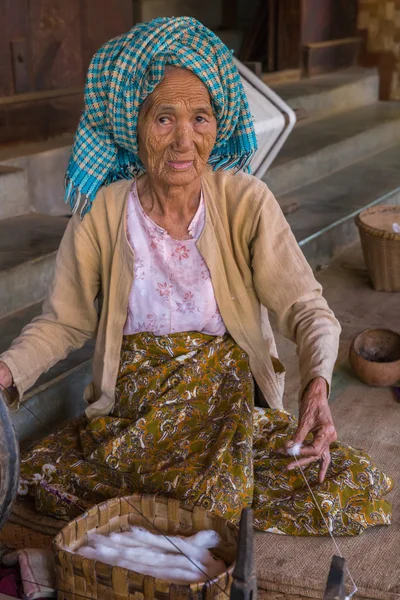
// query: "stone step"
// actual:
[[58, 394], [28, 246], [32, 177], [318, 148], [333, 93], [324, 221], [48, 407], [13, 192]]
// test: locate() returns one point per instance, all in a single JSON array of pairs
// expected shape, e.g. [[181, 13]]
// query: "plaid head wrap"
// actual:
[[123, 73]]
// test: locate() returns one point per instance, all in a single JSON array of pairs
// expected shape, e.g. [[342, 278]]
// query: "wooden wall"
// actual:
[[324, 20], [45, 50], [380, 22], [316, 35], [48, 44]]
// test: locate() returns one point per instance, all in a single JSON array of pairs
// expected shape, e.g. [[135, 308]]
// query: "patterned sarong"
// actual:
[[184, 426]]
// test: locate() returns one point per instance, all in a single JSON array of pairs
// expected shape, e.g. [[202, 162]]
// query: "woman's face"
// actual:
[[177, 128]]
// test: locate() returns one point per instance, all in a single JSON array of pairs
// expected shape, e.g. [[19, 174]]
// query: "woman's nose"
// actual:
[[183, 137]]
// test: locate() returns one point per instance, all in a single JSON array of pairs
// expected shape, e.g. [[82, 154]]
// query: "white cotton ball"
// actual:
[[160, 559], [125, 539], [294, 450], [170, 544], [106, 553], [87, 552], [204, 539]]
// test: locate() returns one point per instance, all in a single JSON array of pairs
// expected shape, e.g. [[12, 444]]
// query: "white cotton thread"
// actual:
[[340, 553]]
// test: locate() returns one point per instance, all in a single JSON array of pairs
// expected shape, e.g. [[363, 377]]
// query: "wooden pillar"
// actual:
[[229, 14]]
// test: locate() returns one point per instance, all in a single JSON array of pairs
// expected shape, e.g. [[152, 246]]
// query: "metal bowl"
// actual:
[[375, 357]]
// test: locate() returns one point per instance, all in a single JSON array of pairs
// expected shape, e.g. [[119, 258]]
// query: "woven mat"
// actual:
[[27, 529], [367, 418]]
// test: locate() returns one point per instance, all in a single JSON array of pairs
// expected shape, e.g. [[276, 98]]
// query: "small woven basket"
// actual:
[[79, 577], [381, 246]]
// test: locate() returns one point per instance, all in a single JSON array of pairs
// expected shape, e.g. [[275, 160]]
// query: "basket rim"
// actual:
[[392, 236], [60, 548]]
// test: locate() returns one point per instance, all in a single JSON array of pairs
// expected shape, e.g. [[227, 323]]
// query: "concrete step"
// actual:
[[48, 407], [28, 246], [13, 192], [316, 149], [333, 93], [58, 394], [37, 181], [324, 222]]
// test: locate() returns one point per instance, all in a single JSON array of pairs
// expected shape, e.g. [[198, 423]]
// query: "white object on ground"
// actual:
[[186, 560], [37, 572], [396, 227]]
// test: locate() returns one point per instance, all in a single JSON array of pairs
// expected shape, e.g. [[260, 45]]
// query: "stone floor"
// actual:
[[11, 326], [28, 237], [339, 196]]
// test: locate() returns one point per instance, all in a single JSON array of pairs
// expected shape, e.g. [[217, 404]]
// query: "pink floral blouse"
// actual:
[[172, 289]]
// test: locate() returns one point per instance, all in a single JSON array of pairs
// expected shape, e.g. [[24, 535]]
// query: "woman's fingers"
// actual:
[[325, 462], [315, 449], [301, 462]]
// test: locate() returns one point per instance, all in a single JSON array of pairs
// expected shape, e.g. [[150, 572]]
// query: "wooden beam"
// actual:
[[229, 14], [333, 43], [40, 119], [323, 57], [43, 95], [271, 39]]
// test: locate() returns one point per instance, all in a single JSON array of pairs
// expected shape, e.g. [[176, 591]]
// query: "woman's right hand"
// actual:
[[6, 378]]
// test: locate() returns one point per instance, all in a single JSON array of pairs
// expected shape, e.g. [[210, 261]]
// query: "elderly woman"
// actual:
[[183, 248]]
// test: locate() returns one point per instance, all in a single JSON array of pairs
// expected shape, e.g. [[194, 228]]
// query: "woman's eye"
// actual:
[[200, 120], [163, 120]]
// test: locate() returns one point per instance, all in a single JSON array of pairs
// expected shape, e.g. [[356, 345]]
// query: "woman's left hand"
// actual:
[[316, 418]]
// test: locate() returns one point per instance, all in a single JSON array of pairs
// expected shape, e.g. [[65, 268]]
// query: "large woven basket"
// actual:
[[381, 246], [79, 577]]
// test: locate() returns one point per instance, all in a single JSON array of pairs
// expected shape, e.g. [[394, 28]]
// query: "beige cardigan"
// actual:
[[253, 259]]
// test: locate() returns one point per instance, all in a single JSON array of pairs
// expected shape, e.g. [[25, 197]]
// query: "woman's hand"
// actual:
[[316, 418], [6, 379]]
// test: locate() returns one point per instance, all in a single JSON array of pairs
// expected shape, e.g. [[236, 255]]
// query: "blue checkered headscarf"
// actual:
[[121, 76]]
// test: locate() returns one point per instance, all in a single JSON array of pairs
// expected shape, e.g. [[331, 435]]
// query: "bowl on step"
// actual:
[[375, 357]]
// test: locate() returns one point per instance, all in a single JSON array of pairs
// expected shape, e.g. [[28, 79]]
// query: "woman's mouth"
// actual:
[[180, 165]]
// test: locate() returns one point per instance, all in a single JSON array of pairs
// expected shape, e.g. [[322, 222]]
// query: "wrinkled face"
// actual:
[[177, 128]]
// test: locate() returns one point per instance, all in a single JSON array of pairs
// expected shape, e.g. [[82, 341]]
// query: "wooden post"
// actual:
[[335, 588], [244, 586], [271, 37], [229, 14]]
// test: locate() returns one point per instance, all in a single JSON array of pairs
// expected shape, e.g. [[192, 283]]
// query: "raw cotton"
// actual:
[[175, 559]]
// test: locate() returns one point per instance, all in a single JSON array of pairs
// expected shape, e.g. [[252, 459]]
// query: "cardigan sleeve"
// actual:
[[285, 285], [69, 316]]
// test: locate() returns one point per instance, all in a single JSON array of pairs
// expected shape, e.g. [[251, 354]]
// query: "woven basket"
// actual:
[[19, 537], [78, 576], [381, 246], [26, 528]]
